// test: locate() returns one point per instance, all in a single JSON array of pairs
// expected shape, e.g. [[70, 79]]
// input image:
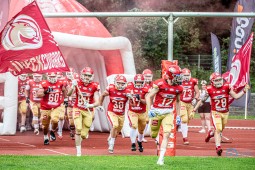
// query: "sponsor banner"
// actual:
[[216, 53], [28, 46], [241, 28], [4, 11], [239, 74]]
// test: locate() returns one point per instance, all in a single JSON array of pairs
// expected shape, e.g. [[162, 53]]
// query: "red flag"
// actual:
[[27, 44], [239, 74]]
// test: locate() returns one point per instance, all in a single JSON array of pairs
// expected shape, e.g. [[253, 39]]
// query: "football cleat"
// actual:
[[160, 162], [133, 147], [218, 150], [60, 136], [185, 141], [210, 134], [52, 136], [36, 131], [23, 129], [144, 140], [46, 142], [140, 146], [201, 131], [110, 149]]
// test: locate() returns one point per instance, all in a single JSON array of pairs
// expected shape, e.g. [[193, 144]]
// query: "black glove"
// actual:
[[66, 102], [137, 96], [50, 89], [27, 100]]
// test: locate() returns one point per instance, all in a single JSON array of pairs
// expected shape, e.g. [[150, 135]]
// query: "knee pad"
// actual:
[[54, 120], [184, 119], [154, 128]]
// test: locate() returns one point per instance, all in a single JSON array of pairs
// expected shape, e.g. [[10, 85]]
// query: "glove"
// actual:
[[152, 113], [194, 102], [129, 95], [74, 83], [87, 105], [66, 102], [50, 89], [178, 120], [192, 114], [27, 100], [100, 108], [137, 96]]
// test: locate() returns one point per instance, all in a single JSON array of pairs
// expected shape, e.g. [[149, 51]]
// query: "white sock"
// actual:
[[112, 141], [208, 124], [60, 126], [36, 126], [133, 135], [78, 149], [45, 137], [140, 137], [184, 128], [78, 140], [145, 129], [162, 153]]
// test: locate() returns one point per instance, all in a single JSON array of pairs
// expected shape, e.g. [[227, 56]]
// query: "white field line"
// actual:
[[197, 147], [33, 146], [50, 150], [230, 127], [238, 154], [4, 139]]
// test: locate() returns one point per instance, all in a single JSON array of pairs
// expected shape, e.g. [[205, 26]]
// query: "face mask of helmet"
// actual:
[[37, 78], [139, 84], [23, 77], [86, 78], [52, 78], [120, 85], [218, 82], [177, 80], [186, 77], [147, 78]]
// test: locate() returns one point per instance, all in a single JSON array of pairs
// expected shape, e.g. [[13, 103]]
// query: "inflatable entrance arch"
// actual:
[[84, 42]]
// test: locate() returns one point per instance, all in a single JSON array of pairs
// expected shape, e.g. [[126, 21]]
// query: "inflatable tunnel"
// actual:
[[83, 42]]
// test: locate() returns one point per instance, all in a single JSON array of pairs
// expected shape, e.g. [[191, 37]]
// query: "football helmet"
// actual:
[[139, 81], [60, 75], [52, 77], [147, 73], [23, 77], [87, 75], [70, 74], [174, 74], [120, 82], [37, 77], [186, 74], [216, 80]]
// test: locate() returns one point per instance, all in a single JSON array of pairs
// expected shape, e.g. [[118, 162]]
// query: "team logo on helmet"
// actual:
[[23, 33]]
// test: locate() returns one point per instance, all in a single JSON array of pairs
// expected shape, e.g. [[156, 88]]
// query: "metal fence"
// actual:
[[201, 61]]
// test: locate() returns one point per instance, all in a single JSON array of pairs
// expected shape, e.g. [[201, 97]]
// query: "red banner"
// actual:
[[239, 74], [27, 44]]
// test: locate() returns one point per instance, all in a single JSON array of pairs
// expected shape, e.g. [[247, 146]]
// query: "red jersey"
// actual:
[[138, 106], [21, 89], [188, 92], [166, 95], [33, 88], [219, 97], [118, 99], [53, 99], [87, 93]]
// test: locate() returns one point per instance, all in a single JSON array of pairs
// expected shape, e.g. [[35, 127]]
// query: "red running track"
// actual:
[[28, 144]]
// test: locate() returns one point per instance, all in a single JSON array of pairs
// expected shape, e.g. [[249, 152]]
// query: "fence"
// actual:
[[204, 61]]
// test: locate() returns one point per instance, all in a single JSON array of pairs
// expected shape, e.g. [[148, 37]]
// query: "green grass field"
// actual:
[[123, 162]]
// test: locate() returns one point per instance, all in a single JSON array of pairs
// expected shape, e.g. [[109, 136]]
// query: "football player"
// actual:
[[148, 76], [160, 102], [189, 97], [118, 94], [137, 111], [22, 105], [219, 92], [52, 91], [87, 92], [33, 101]]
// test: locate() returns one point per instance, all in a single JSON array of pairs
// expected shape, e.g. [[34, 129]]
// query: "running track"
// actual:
[[242, 132]]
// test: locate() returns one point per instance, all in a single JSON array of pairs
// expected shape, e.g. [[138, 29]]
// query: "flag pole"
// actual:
[[246, 104]]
